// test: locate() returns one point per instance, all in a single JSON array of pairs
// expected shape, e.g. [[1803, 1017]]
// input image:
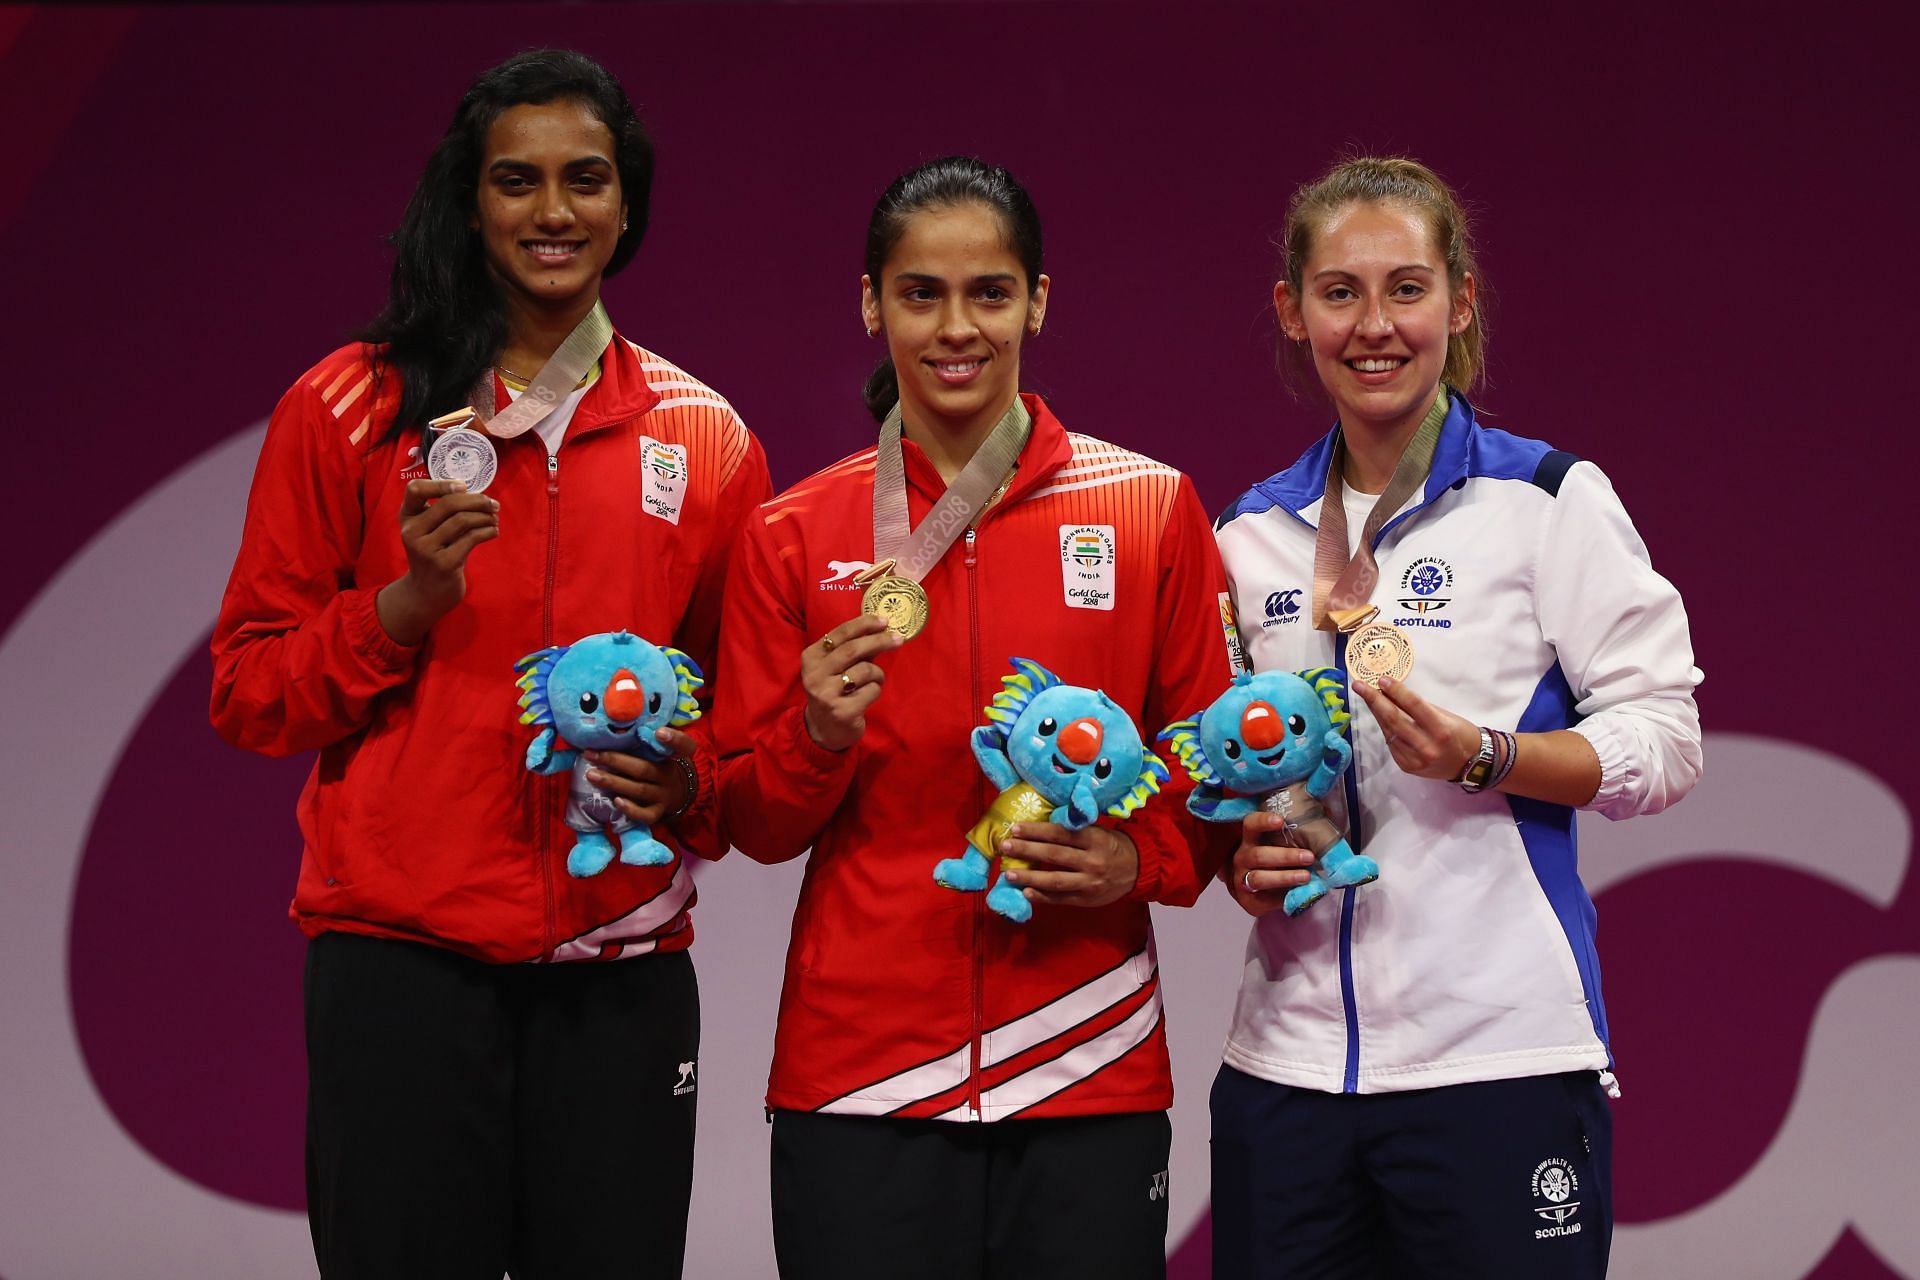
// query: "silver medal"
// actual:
[[464, 454]]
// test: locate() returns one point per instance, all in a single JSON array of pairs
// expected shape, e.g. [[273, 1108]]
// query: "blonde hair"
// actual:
[[1388, 180]]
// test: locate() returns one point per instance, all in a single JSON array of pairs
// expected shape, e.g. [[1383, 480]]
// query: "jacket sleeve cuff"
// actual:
[[706, 770], [382, 654], [828, 767], [1150, 833]]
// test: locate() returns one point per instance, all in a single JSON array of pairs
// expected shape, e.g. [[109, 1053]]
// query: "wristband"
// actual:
[[692, 777], [1509, 749], [1474, 777]]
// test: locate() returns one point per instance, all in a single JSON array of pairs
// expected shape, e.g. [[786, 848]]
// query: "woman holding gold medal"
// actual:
[[474, 1106], [963, 1084], [1415, 1079]]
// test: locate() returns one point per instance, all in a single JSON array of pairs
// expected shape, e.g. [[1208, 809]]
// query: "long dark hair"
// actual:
[[444, 324], [943, 184]]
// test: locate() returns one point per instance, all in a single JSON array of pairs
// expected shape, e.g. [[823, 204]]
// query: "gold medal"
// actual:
[[900, 601], [1379, 649]]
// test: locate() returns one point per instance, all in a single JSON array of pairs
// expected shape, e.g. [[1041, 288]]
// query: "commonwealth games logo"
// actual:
[[664, 462], [1555, 1183], [1427, 585]]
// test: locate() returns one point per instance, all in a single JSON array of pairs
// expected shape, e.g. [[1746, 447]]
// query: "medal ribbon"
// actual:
[[915, 555], [555, 381], [1342, 584]]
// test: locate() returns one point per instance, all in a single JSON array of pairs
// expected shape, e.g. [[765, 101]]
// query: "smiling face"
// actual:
[[1376, 310], [1068, 733], [1263, 734], [548, 207], [953, 301], [612, 694]]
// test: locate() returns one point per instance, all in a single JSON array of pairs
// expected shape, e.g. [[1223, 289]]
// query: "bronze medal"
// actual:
[[900, 601], [1379, 649]]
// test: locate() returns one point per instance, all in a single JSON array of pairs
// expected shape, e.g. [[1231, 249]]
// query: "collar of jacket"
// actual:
[[1305, 482], [1047, 450], [622, 392]]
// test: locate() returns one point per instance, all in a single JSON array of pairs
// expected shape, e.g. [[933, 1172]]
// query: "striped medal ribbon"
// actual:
[[901, 559], [459, 445], [1343, 584]]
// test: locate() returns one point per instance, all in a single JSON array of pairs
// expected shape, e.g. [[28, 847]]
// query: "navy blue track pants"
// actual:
[[1506, 1179]]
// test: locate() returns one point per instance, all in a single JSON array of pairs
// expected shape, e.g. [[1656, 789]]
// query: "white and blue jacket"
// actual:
[[1532, 607]]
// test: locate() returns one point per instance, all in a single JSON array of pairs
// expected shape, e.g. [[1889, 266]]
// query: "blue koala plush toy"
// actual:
[[1277, 741], [1058, 753], [606, 692]]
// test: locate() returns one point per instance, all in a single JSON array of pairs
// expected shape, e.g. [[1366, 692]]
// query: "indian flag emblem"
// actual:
[[665, 463], [1087, 549]]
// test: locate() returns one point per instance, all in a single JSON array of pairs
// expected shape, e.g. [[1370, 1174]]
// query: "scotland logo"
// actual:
[[1427, 585], [1555, 1182], [1282, 608]]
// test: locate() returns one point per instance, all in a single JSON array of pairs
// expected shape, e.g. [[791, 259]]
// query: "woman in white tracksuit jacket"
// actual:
[[1414, 1080]]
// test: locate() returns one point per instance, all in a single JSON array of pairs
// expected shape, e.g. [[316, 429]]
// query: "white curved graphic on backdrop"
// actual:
[[78, 1196], [1766, 800], [1844, 1153]]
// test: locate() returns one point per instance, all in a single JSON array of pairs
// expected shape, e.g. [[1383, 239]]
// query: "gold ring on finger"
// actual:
[[826, 644], [847, 684]]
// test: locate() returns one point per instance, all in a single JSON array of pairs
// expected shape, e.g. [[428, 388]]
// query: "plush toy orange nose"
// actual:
[[1080, 741], [625, 699], [1261, 726]]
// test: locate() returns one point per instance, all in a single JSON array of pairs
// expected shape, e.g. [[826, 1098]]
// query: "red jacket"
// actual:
[[420, 819], [902, 997]]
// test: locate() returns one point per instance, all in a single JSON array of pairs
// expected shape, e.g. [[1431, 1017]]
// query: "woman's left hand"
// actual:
[[645, 790], [1086, 868], [1426, 741]]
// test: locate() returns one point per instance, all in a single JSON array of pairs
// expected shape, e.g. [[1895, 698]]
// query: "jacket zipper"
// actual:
[[980, 900], [544, 845], [1349, 1001]]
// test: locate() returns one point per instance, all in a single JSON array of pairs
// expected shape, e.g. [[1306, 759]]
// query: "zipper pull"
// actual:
[[553, 473], [970, 536]]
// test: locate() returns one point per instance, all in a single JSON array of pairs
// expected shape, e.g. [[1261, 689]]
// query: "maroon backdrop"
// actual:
[[1695, 233]]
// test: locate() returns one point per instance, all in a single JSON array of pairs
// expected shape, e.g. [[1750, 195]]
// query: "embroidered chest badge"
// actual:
[[1425, 589], [1087, 565], [663, 475]]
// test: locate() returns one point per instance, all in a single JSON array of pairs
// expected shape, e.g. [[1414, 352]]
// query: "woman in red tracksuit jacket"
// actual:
[[954, 1094], [472, 1111]]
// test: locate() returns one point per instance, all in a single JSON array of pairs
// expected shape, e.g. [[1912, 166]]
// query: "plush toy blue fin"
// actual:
[[1081, 808], [1211, 804], [548, 754], [688, 673], [989, 750], [967, 873], [1335, 756], [1008, 901], [638, 848], [590, 855], [1185, 737]]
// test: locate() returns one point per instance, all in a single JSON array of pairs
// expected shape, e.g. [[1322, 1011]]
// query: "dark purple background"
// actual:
[[1695, 230]]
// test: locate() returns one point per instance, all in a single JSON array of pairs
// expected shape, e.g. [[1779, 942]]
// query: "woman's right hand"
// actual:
[[1266, 864], [440, 523], [842, 680]]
